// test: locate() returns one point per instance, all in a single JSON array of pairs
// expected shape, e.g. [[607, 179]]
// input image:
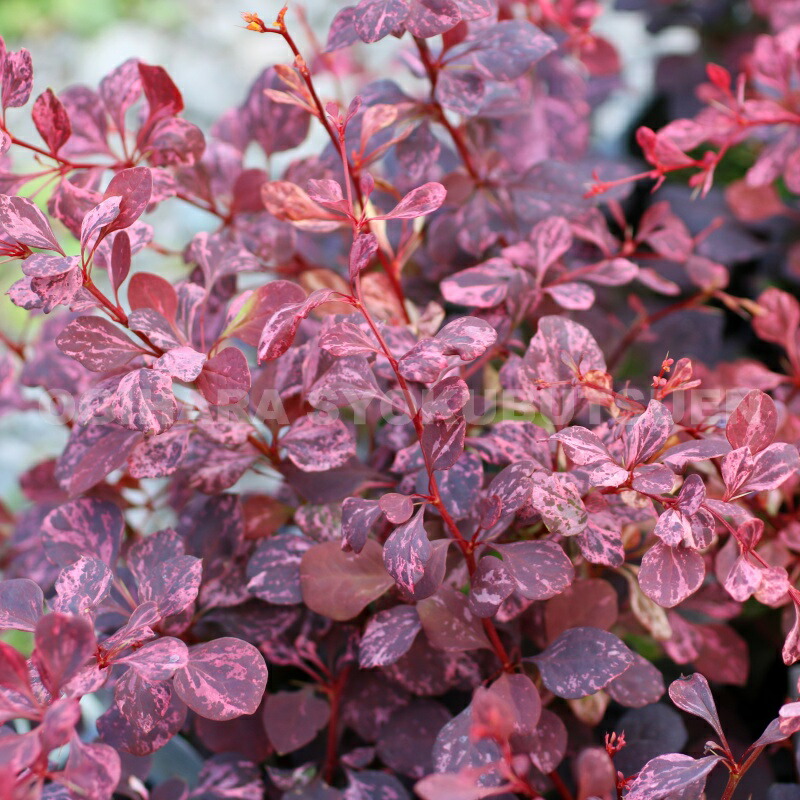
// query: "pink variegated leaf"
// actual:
[[172, 585], [340, 585], [349, 382], [737, 466], [653, 479], [159, 456], [101, 216], [585, 449], [681, 454], [82, 586], [600, 542], [540, 569], [427, 18], [424, 362], [743, 579], [154, 325], [318, 444], [21, 604], [672, 775], [182, 363], [753, 422], [640, 685], [668, 575], [225, 377], [92, 770], [83, 527], [490, 586], [693, 695], [559, 503], [97, 343], [273, 571], [250, 312], [443, 442], [673, 527], [388, 636], [771, 467], [647, 435], [347, 339], [144, 402], [449, 624], [358, 517], [572, 295], [375, 19], [418, 202], [467, 337], [692, 494], [133, 187], [551, 238], [158, 660], [223, 679], [55, 280], [407, 551], [446, 399], [342, 32], [581, 661], [484, 286], [143, 703], [22, 221], [281, 328], [17, 78], [293, 719], [288, 202], [63, 644], [363, 249]]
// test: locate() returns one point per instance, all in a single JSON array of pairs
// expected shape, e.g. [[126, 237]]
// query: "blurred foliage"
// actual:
[[24, 19]]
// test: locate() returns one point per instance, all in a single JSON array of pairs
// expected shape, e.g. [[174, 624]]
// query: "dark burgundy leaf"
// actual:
[[62, 646], [692, 694], [319, 444], [539, 569], [82, 586], [273, 571], [340, 585], [293, 719], [640, 685], [172, 584], [84, 527]]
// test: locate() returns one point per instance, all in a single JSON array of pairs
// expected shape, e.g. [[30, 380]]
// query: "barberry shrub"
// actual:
[[397, 488]]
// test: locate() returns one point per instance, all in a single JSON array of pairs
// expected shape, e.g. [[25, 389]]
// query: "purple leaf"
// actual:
[[581, 661], [540, 569], [640, 685], [427, 18], [82, 586], [510, 48], [418, 202], [144, 402], [388, 636], [293, 719], [693, 695], [375, 19], [668, 575], [273, 571], [84, 527], [407, 551], [753, 422], [21, 603], [340, 585], [318, 444], [363, 249], [397, 508], [225, 378], [667, 776], [97, 343], [349, 382], [223, 679], [158, 660], [443, 442], [62, 646], [92, 770], [462, 91]]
